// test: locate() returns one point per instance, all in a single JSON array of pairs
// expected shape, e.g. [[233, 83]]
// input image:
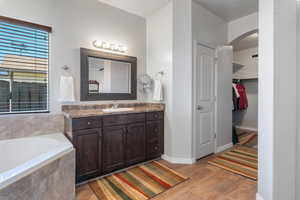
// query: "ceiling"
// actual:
[[230, 9], [249, 42], [226, 9], [142, 8]]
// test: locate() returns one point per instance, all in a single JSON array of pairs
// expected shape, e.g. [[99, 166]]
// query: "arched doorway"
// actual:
[[245, 90]]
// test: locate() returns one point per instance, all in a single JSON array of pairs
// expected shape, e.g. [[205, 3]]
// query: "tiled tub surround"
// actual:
[[18, 126], [45, 171]]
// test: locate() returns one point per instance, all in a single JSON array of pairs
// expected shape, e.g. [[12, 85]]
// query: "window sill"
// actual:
[[25, 113]]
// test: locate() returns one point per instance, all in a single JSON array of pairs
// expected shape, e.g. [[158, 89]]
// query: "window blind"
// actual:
[[24, 61]]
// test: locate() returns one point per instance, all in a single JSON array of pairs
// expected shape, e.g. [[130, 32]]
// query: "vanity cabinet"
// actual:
[[108, 143]]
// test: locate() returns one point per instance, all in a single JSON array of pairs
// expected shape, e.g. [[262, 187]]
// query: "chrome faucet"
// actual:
[[115, 105]]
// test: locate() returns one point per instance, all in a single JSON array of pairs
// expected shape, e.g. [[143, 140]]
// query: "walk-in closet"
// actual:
[[245, 90]]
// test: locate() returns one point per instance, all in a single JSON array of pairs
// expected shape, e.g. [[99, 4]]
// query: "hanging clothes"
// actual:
[[239, 97], [235, 90], [235, 138], [235, 100], [243, 100]]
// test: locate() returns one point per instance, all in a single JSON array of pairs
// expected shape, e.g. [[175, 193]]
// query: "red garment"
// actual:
[[243, 103]]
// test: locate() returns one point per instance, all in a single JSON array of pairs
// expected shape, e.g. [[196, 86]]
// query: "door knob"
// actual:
[[199, 108]]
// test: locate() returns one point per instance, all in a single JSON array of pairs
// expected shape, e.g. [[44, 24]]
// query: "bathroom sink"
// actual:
[[112, 110]]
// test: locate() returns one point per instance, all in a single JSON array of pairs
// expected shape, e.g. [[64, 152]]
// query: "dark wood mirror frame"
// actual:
[[84, 88]]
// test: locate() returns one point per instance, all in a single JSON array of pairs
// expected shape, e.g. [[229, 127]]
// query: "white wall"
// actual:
[[77, 23], [182, 79], [298, 104], [247, 118], [207, 27], [182, 22], [224, 95], [212, 30], [277, 100], [244, 57], [170, 32], [241, 26], [159, 58]]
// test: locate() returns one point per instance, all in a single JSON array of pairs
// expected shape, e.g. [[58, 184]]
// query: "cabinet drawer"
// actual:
[[135, 118], [152, 116], [86, 123], [115, 120], [154, 130], [154, 149]]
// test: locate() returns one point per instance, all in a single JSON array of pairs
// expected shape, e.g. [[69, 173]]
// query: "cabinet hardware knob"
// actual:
[[156, 148], [89, 123]]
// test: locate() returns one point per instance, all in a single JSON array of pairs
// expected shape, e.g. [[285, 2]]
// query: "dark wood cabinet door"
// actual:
[[88, 153], [113, 148], [155, 139], [135, 145]]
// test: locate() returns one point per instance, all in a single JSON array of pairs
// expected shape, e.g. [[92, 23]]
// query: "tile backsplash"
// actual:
[[30, 125]]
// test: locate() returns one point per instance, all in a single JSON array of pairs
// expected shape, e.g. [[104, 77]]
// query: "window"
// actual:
[[24, 60]]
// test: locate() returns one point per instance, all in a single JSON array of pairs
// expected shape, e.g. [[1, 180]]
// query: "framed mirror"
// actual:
[[107, 76]]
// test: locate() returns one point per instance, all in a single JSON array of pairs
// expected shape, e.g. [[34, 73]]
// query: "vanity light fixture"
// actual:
[[109, 46]]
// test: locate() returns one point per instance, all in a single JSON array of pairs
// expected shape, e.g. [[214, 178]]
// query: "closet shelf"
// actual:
[[236, 65], [246, 78]]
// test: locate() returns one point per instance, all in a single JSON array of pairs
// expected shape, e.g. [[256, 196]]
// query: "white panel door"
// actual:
[[204, 101]]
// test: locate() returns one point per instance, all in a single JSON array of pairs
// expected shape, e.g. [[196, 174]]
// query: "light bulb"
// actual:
[[98, 43], [122, 48], [113, 46], [109, 46], [105, 45]]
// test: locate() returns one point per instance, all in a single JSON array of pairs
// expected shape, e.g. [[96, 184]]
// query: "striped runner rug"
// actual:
[[248, 139], [139, 183], [240, 160]]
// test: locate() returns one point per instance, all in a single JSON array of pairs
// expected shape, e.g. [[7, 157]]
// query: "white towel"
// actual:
[[158, 91], [67, 89]]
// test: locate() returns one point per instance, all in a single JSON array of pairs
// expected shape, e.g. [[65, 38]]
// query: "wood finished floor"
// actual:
[[206, 183]]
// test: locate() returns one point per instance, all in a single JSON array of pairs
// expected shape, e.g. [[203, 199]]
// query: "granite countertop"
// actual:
[[90, 112]]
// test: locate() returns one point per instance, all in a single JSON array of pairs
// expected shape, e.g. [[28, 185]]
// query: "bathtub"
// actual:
[[21, 157]]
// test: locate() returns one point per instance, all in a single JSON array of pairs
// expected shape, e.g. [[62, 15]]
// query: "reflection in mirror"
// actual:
[[109, 76]]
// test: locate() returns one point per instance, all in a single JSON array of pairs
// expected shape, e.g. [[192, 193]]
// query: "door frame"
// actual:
[[206, 45]]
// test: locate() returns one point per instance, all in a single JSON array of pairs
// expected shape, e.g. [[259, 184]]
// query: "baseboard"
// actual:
[[176, 160], [247, 128], [258, 197], [223, 148]]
